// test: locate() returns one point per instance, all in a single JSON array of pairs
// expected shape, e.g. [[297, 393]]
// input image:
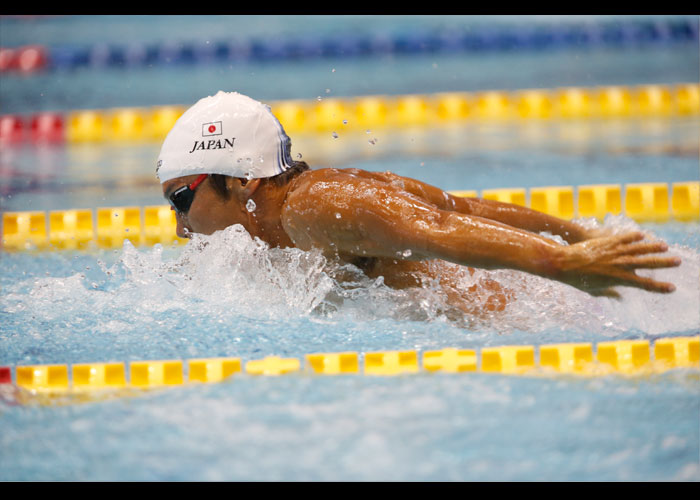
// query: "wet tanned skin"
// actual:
[[401, 228]]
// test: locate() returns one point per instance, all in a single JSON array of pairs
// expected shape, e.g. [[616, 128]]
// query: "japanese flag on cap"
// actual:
[[229, 134]]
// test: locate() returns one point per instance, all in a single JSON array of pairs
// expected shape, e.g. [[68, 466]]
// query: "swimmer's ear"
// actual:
[[243, 188], [251, 186]]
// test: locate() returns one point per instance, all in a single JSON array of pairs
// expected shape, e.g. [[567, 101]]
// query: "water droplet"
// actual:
[[333, 70], [407, 253], [250, 206], [337, 215], [373, 141], [299, 156], [368, 131], [328, 91], [319, 98], [345, 122], [335, 135], [248, 176]]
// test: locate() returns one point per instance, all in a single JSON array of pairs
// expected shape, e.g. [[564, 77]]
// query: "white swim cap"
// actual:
[[229, 134]]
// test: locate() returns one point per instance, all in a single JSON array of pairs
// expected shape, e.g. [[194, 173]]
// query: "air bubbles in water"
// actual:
[[250, 206], [335, 135]]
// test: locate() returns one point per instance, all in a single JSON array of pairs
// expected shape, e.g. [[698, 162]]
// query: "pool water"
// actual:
[[230, 295]]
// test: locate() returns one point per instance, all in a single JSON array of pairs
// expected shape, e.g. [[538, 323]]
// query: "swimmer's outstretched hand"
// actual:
[[597, 264], [602, 232]]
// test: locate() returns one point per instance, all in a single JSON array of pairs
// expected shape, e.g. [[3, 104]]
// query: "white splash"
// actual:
[[229, 275]]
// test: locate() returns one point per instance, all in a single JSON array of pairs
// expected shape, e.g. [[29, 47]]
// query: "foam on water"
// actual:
[[230, 277]]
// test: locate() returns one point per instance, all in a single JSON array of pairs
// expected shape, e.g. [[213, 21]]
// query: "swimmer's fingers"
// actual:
[[629, 252], [601, 251], [629, 278], [651, 285], [604, 288], [599, 280], [642, 248], [596, 265], [636, 256], [628, 237], [646, 262], [605, 248]]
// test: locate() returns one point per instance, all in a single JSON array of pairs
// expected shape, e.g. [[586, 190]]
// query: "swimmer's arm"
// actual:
[[364, 218], [355, 215], [506, 213], [524, 218]]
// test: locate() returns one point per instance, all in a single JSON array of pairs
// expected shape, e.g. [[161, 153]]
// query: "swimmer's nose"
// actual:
[[182, 233], [181, 230]]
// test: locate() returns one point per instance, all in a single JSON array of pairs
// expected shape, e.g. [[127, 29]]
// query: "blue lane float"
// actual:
[[612, 33]]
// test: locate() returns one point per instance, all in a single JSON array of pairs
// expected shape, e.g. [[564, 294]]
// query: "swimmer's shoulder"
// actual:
[[310, 177], [316, 179], [316, 195]]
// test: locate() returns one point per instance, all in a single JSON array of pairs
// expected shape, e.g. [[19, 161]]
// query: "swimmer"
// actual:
[[227, 161]]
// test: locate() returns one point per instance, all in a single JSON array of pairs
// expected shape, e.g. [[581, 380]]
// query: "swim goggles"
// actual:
[[181, 200]]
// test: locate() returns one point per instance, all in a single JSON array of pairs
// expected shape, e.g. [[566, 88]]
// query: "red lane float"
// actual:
[[5, 375], [32, 58], [27, 59], [47, 127], [39, 128], [11, 129], [8, 59]]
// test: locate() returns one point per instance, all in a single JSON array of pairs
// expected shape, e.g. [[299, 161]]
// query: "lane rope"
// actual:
[[359, 113], [109, 227], [610, 358], [586, 35]]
